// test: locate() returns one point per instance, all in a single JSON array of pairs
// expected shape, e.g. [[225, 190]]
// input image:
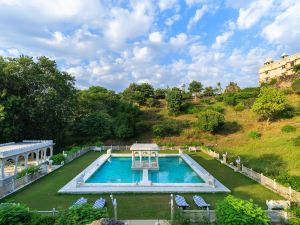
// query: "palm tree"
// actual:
[[296, 68]]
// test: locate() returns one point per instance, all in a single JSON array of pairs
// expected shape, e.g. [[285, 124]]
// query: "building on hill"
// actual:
[[279, 68]]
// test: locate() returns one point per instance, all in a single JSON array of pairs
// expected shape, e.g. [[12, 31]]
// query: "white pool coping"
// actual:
[[78, 186]]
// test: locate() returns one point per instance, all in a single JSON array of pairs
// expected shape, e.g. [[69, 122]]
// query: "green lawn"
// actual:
[[42, 195]]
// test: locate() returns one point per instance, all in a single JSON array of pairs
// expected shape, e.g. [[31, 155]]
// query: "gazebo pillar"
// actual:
[[149, 159], [45, 154], [37, 157], [2, 168], [51, 151], [140, 158], [16, 164], [26, 160]]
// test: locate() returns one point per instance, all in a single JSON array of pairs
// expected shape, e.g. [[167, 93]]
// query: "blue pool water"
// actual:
[[171, 170]]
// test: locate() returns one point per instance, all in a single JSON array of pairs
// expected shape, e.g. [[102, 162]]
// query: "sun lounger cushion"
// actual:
[[180, 201], [99, 203], [199, 201]]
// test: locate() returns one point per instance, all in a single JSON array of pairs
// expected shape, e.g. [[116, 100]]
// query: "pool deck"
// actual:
[[78, 186]]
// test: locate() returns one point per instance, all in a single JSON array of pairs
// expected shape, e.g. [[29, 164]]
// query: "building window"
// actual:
[[283, 67], [292, 64], [267, 72]]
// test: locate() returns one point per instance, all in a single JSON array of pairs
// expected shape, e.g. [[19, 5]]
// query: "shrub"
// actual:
[[11, 214], [236, 211], [210, 120], [289, 180], [29, 170], [288, 129], [37, 219], [57, 159], [152, 102], [287, 113], [295, 210], [254, 135], [80, 215], [296, 141], [296, 85], [239, 107], [169, 128]]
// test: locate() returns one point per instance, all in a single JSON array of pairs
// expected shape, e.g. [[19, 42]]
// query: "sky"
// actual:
[[113, 43]]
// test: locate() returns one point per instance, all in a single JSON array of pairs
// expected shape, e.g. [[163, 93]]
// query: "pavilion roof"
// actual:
[[144, 147], [12, 148]]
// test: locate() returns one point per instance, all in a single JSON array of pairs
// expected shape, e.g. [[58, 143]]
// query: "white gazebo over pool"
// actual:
[[14, 157], [145, 156]]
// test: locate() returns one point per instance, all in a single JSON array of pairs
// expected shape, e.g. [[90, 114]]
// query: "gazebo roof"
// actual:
[[144, 147]]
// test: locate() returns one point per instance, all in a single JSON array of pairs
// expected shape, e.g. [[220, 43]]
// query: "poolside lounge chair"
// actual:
[[80, 201], [199, 201], [180, 201], [99, 203]]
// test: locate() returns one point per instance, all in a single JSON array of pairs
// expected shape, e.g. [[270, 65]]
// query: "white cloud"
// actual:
[[197, 17], [127, 24], [179, 40], [171, 20], [224, 37], [167, 4], [155, 37], [221, 39], [253, 13], [284, 30]]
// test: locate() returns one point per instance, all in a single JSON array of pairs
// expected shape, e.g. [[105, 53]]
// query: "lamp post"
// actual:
[[172, 207]]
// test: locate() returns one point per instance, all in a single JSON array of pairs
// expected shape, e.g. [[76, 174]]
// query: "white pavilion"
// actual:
[[145, 156], [14, 157]]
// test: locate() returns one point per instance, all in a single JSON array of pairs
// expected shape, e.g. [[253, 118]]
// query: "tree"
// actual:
[[195, 87], [210, 120], [38, 99], [160, 93], [219, 88], [138, 93], [124, 125], [236, 211], [270, 103], [95, 126], [174, 100], [209, 91], [232, 87]]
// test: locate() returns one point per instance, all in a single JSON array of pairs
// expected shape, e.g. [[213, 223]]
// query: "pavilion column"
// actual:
[[16, 164], [149, 159], [45, 154], [37, 157], [26, 160], [51, 151], [132, 158], [2, 168], [140, 158]]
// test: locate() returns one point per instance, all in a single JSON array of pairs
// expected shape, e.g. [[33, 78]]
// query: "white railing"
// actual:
[[196, 216], [286, 192]]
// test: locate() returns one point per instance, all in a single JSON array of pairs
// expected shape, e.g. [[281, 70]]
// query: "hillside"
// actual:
[[272, 154]]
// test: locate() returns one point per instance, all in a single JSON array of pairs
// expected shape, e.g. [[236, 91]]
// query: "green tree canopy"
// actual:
[[195, 87], [38, 99], [210, 120], [174, 101], [270, 103], [236, 211], [138, 93]]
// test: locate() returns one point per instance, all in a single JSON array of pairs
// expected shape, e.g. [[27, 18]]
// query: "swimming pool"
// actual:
[[171, 170], [113, 173]]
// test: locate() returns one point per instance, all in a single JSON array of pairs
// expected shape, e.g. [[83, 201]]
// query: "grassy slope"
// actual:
[[42, 194], [274, 150]]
